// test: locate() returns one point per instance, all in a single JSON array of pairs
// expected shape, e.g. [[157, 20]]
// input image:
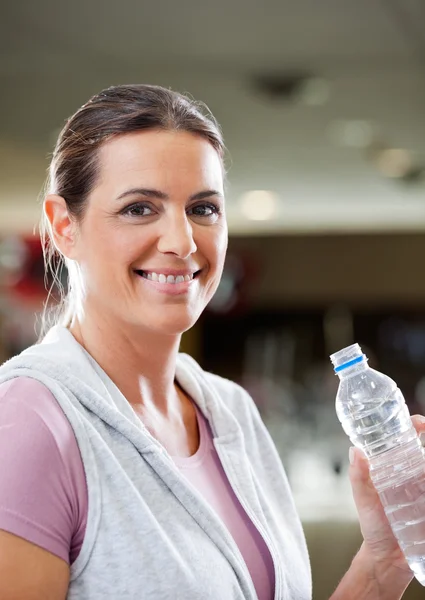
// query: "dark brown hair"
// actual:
[[115, 111]]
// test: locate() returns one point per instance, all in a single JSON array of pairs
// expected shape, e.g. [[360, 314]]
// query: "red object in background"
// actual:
[[23, 263]]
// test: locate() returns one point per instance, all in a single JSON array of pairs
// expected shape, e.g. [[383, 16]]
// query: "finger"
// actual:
[[364, 493], [373, 522], [419, 423]]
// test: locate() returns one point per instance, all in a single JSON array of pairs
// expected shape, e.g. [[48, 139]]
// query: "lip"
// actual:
[[169, 289], [175, 272]]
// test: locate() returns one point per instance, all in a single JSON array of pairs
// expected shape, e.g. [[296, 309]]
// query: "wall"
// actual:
[[382, 270]]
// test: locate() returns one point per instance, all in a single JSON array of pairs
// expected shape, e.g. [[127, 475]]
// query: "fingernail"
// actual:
[[351, 455]]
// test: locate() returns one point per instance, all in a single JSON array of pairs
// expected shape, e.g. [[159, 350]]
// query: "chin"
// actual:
[[170, 324], [172, 329]]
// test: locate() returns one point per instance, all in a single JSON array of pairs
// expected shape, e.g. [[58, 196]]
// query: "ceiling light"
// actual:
[[394, 162], [314, 92], [352, 133], [259, 205]]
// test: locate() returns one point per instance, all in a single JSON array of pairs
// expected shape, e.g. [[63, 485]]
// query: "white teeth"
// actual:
[[161, 278]]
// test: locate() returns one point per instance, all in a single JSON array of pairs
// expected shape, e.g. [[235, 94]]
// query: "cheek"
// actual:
[[127, 248], [221, 250], [116, 245], [216, 253]]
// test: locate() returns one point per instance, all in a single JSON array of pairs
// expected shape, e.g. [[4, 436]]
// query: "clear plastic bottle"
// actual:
[[374, 415]]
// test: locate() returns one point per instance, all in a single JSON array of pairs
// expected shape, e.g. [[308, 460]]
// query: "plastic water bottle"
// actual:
[[374, 415]]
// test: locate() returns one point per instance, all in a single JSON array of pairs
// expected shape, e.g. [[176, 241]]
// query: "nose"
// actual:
[[176, 237]]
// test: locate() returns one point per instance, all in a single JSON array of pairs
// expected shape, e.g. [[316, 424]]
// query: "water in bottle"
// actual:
[[374, 415]]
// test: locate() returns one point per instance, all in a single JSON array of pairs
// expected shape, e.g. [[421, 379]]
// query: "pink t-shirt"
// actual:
[[205, 472], [43, 490]]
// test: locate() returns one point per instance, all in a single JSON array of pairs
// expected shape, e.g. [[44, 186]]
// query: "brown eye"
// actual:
[[204, 210], [138, 210]]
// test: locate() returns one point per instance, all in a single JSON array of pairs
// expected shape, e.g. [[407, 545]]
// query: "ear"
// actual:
[[62, 226]]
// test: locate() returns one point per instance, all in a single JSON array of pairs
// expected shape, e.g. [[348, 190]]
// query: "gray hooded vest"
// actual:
[[150, 535]]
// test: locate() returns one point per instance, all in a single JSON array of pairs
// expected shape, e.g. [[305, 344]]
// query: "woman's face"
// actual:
[[152, 243]]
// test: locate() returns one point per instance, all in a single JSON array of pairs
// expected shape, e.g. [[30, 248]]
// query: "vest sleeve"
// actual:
[[43, 493]]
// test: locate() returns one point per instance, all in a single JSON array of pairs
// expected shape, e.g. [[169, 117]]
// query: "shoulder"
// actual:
[[42, 486], [36, 410], [36, 431], [26, 395], [20, 387]]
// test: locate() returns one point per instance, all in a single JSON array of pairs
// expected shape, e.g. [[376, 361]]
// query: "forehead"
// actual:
[[159, 158]]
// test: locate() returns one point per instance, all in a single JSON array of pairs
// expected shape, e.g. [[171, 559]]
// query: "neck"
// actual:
[[141, 366]]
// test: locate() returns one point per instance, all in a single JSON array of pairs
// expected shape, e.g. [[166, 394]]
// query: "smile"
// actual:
[[168, 280]]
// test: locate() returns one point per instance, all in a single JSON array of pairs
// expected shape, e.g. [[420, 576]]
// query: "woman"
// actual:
[[130, 472]]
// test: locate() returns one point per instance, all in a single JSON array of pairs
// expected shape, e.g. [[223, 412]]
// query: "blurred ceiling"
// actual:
[[367, 56]]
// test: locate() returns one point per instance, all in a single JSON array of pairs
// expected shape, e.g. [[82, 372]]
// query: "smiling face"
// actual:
[[152, 243]]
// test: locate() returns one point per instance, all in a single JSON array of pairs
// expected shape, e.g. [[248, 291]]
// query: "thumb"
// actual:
[[419, 424]]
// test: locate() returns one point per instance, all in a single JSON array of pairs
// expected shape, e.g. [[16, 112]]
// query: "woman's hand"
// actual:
[[380, 549]]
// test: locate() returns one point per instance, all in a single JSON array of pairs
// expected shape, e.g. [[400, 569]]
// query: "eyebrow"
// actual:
[[151, 193]]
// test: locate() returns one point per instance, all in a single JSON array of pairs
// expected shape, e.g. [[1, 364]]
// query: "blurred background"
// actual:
[[322, 105]]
